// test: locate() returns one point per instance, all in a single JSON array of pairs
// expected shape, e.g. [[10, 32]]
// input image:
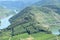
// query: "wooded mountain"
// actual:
[[42, 16]]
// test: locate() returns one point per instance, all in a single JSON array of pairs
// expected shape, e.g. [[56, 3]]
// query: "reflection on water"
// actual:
[[5, 22]]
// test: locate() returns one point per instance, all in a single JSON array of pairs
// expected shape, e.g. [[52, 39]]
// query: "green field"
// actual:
[[36, 36]]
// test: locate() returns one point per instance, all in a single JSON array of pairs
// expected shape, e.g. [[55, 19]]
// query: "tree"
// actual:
[[12, 31]]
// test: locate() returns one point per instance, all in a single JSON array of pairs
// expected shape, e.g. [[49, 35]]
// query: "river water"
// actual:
[[5, 22]]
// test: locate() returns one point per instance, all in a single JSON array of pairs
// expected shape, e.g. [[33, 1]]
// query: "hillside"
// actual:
[[46, 2], [35, 18], [37, 36], [42, 19], [5, 12]]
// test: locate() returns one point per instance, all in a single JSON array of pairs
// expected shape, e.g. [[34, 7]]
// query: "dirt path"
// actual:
[[30, 38]]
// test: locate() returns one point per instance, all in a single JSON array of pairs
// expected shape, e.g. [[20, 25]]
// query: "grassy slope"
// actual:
[[37, 36]]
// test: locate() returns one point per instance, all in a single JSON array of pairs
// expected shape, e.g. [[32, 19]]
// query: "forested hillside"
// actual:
[[41, 18]]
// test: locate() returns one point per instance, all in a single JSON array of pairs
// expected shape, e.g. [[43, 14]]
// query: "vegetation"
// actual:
[[25, 36], [5, 12], [34, 19], [37, 22]]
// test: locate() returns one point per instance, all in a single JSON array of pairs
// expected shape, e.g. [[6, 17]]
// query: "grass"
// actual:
[[37, 36]]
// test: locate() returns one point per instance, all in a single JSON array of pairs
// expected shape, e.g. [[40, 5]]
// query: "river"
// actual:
[[5, 22]]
